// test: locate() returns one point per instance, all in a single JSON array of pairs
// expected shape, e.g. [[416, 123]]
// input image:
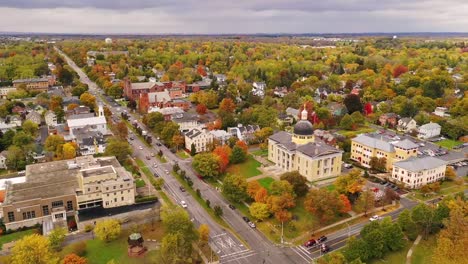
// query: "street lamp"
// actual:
[[282, 232]]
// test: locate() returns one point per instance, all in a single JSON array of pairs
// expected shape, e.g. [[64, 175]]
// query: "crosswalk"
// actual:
[[236, 256], [304, 253]]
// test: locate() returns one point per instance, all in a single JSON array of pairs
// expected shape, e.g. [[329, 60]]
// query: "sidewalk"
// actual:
[[410, 251]]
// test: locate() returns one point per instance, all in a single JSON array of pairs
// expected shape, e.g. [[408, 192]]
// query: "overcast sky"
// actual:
[[233, 16]]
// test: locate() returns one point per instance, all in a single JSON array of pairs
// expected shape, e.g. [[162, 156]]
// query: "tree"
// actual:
[[118, 148], [259, 211], [153, 120], [323, 203], [201, 109], [74, 259], [227, 105], [235, 187], [252, 188], [332, 258], [375, 243], [178, 141], [56, 238], [238, 155], [277, 203], [261, 196], [121, 130], [54, 143], [30, 128], [353, 103], [423, 216], [15, 158], [218, 211], [298, 182], [69, 151], [281, 187], [452, 240], [88, 100], [263, 134], [347, 122], [169, 131], [356, 248], [79, 89], [450, 173], [115, 91], [358, 118], [204, 233], [193, 150], [351, 183], [346, 203], [107, 230], [223, 152], [392, 235], [365, 202], [378, 164], [32, 249], [206, 164], [399, 70]]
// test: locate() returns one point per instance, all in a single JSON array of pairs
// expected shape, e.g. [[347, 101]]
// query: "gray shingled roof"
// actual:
[[372, 142], [430, 125], [317, 148], [193, 133], [405, 144], [418, 164]]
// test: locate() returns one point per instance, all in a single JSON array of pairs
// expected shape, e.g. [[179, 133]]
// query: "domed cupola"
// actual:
[[303, 130]]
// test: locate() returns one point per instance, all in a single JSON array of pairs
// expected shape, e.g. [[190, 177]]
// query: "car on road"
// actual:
[[158, 144], [155, 165], [324, 248], [156, 175], [131, 138], [252, 224], [152, 154], [140, 147], [182, 189], [374, 218], [322, 239], [232, 206], [246, 219], [183, 204], [310, 243], [166, 171], [148, 157]]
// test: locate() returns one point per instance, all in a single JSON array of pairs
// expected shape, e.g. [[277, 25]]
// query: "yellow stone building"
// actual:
[[300, 151], [366, 146]]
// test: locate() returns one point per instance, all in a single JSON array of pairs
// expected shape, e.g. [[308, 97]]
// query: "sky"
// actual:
[[232, 16]]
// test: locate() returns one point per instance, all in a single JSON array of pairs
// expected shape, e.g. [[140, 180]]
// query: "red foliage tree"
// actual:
[[201, 109], [346, 203], [214, 125], [243, 146], [201, 70], [227, 105], [368, 109], [74, 259], [223, 152], [399, 70]]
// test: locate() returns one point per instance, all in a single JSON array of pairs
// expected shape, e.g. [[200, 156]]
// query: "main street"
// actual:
[[226, 245]]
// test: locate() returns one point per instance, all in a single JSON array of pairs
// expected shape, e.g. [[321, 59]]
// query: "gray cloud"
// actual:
[[240, 16]]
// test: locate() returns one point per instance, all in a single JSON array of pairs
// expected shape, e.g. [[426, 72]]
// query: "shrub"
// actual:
[[79, 248], [88, 228]]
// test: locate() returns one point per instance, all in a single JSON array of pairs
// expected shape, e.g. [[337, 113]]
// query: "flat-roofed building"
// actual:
[[36, 84], [56, 190], [417, 172]]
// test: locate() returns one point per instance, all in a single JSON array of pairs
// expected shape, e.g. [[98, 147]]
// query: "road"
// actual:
[[227, 246]]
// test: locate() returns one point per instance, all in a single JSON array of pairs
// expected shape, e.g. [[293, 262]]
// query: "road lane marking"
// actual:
[[299, 253]]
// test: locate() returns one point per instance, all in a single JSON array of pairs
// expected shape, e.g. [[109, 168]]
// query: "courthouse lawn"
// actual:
[[247, 169], [266, 182]]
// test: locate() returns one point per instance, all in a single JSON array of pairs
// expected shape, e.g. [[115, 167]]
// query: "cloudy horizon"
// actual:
[[239, 17]]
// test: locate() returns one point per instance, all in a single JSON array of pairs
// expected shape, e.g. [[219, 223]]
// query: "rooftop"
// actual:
[[31, 80], [415, 164], [95, 120], [143, 85]]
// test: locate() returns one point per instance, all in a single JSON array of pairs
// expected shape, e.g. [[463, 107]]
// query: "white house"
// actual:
[[95, 123], [406, 124], [186, 121], [3, 158], [220, 78], [200, 138], [259, 89], [429, 130], [415, 172], [34, 117], [441, 111], [221, 135], [50, 118], [243, 133]]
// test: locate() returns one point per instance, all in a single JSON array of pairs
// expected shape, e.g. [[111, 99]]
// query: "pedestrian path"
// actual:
[[410, 251]]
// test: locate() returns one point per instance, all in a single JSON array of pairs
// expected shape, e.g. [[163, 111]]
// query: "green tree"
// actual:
[[365, 202], [356, 249], [347, 122], [107, 230], [353, 103], [235, 187], [358, 118], [30, 128], [392, 234], [238, 155], [423, 216], [281, 187], [193, 150], [259, 211], [153, 121], [206, 164], [298, 182], [218, 211], [56, 238], [15, 158], [118, 148], [33, 249], [169, 131]]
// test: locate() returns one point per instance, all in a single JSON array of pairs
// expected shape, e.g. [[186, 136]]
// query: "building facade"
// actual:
[[417, 172], [36, 84], [301, 151], [200, 138], [5, 90], [429, 130]]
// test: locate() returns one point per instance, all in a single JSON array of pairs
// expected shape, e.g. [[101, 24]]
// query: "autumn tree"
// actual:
[[235, 187], [281, 187], [399, 70], [259, 211], [88, 100], [204, 234], [261, 196], [206, 165], [32, 249], [346, 203], [223, 152], [279, 203], [298, 182], [56, 238], [178, 140], [227, 105], [252, 188], [121, 130], [69, 150], [74, 259], [450, 173], [353, 103], [365, 202], [323, 203], [201, 109], [107, 230], [30, 128], [350, 184]]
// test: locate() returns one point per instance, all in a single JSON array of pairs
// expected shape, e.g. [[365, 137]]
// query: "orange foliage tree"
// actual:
[[346, 203], [74, 259], [223, 152], [227, 105], [201, 109], [261, 196], [242, 145], [252, 188]]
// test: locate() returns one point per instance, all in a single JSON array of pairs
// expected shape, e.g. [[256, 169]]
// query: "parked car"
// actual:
[[140, 147], [322, 239], [156, 175], [374, 218], [310, 243], [232, 206], [324, 248], [251, 224], [246, 219], [182, 189], [148, 157]]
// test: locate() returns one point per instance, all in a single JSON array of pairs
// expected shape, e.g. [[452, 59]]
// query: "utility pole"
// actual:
[[282, 239]]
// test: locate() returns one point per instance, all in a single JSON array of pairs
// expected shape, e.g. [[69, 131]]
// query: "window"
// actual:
[[122, 198], [29, 215], [59, 216], [57, 204], [11, 216], [45, 210], [69, 206], [115, 200]]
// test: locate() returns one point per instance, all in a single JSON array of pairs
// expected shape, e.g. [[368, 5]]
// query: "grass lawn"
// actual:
[[260, 152], [446, 188], [182, 154], [15, 236], [448, 143], [248, 168], [423, 252], [266, 182], [353, 133], [330, 187], [140, 183]]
